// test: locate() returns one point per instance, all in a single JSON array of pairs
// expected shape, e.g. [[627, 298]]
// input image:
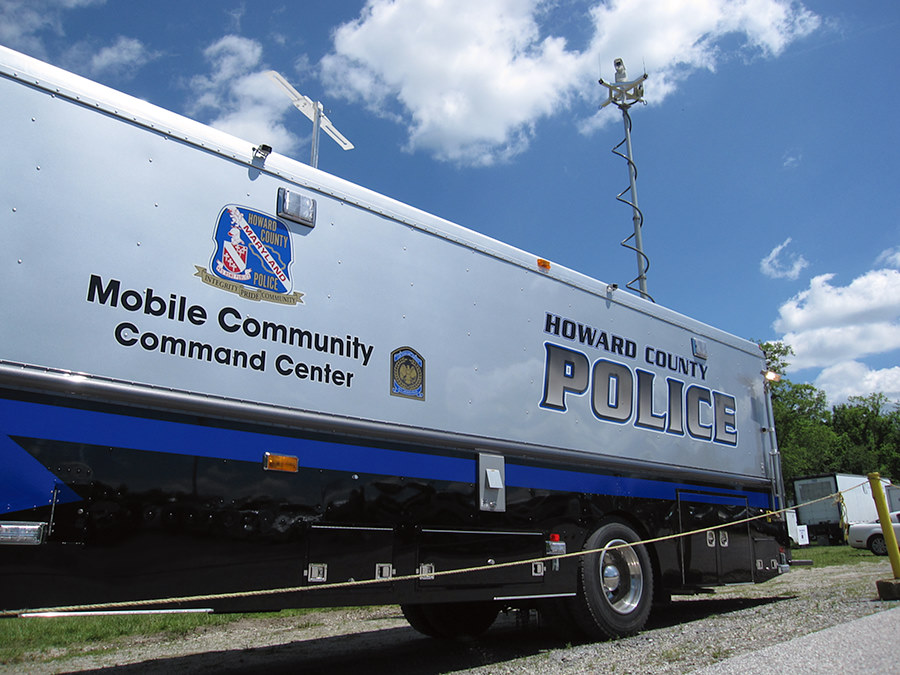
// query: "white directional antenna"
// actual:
[[313, 110], [624, 93]]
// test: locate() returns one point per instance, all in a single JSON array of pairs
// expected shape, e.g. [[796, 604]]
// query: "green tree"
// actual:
[[870, 427], [858, 436], [777, 354], [891, 460], [806, 439], [807, 442]]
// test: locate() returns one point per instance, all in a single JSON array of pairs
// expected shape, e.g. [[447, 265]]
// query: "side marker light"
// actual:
[[273, 462]]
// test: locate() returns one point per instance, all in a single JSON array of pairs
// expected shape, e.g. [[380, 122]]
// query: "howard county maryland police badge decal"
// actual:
[[407, 374], [252, 257]]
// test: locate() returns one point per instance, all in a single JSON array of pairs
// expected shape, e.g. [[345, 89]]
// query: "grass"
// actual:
[[68, 636], [825, 556]]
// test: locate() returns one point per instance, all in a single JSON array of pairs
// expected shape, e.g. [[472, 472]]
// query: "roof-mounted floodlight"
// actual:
[[313, 110]]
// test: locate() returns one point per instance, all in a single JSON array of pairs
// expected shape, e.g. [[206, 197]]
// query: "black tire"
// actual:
[[877, 544], [615, 587], [453, 620]]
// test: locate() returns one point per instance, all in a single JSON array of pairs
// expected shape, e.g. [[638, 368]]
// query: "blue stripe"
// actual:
[[715, 499], [30, 484], [575, 481]]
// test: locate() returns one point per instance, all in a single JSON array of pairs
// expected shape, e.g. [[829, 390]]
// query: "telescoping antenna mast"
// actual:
[[624, 93], [313, 110]]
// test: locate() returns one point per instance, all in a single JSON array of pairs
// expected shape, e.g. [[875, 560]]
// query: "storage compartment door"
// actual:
[[442, 550], [714, 556]]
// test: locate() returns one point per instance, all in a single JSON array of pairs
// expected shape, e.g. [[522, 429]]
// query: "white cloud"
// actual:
[[236, 16], [835, 327], [245, 102], [675, 39], [870, 299], [772, 266], [122, 59], [230, 57], [126, 54], [25, 23], [821, 347], [791, 159], [852, 378], [891, 258], [471, 80]]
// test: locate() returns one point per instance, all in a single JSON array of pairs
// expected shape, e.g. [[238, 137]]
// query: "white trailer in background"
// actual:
[[225, 371], [892, 494], [827, 520]]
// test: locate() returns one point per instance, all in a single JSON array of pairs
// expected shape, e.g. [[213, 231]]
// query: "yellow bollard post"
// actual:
[[887, 589]]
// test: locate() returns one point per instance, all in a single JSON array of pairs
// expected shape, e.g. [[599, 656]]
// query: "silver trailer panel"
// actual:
[[380, 316]]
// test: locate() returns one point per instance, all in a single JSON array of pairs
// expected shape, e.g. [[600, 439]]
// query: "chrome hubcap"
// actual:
[[622, 577]]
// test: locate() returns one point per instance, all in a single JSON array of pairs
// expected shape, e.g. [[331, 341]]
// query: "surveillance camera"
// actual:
[[262, 151]]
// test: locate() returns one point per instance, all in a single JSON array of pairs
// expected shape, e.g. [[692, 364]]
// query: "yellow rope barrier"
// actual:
[[407, 577]]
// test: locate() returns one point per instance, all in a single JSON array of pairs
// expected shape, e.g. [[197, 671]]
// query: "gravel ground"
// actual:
[[686, 635]]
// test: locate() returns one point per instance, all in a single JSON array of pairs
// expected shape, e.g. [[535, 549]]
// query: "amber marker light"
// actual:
[[280, 463], [543, 265]]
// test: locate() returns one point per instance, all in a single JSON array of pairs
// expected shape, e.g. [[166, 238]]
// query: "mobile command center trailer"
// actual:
[[225, 371]]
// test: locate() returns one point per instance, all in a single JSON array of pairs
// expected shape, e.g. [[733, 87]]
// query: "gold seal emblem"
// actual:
[[407, 373]]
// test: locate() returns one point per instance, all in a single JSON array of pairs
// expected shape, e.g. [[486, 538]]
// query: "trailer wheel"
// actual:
[[615, 585], [452, 620], [877, 544]]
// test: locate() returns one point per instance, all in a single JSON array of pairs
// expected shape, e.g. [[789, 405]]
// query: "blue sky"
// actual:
[[767, 154]]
